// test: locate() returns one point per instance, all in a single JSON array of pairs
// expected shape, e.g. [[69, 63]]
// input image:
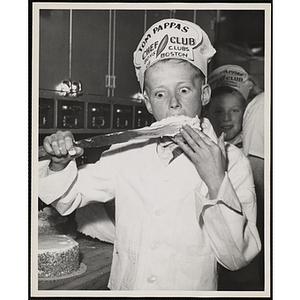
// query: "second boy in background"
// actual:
[[230, 86]]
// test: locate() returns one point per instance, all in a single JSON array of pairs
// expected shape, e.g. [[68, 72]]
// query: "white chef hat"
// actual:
[[172, 38], [231, 76]]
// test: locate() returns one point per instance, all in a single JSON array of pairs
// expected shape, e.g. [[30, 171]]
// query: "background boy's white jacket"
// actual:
[[253, 127], [169, 235]]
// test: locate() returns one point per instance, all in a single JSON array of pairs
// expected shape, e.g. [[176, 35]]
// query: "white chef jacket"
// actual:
[[253, 127], [169, 234]]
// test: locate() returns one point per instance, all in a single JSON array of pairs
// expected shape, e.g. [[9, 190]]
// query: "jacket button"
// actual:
[[159, 211], [151, 279], [153, 246]]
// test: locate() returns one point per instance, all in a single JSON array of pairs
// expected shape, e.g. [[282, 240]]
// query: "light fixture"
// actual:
[[69, 88]]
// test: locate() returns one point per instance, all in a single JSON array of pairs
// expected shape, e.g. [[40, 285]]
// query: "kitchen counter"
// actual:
[[97, 256]]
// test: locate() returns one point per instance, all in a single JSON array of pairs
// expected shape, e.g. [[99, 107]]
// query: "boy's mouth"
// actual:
[[176, 114], [227, 127]]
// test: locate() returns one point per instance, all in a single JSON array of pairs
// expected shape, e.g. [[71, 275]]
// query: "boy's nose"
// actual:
[[227, 116], [174, 103]]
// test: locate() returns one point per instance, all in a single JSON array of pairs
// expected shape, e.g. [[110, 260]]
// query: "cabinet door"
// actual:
[[54, 48], [206, 19], [128, 32], [154, 16], [187, 15], [90, 48]]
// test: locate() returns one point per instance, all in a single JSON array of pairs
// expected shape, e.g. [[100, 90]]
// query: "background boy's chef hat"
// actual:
[[172, 38], [231, 76]]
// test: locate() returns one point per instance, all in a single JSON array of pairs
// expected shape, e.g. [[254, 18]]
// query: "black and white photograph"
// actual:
[[151, 150]]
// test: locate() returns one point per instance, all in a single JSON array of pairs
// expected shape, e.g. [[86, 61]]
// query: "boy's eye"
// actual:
[[159, 94], [184, 90], [218, 111], [236, 110]]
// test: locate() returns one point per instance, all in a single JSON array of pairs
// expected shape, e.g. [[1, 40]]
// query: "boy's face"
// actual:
[[226, 114], [173, 87]]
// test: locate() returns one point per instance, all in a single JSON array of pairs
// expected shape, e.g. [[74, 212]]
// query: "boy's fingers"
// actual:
[[221, 143], [185, 147], [68, 142], [61, 144], [75, 152], [190, 136], [55, 147], [65, 142], [197, 135], [206, 138], [47, 145]]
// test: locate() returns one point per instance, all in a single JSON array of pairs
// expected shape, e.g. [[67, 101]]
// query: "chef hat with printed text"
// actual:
[[172, 38], [231, 76]]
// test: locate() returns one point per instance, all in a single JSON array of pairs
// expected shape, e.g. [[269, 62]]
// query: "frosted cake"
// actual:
[[58, 256]]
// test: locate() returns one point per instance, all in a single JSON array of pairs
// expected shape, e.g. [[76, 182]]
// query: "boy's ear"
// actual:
[[147, 102], [206, 94]]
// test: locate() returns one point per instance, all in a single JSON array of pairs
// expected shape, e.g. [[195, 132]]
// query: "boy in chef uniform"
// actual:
[[230, 87], [176, 219]]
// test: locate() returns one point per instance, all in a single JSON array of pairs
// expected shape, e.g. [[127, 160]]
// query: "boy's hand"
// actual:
[[60, 146], [208, 157]]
